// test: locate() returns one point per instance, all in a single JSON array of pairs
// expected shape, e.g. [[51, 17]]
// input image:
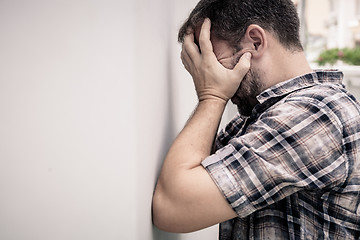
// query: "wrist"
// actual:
[[213, 98], [213, 104], [212, 94]]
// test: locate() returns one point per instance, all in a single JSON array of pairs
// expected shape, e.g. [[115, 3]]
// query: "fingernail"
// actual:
[[248, 55]]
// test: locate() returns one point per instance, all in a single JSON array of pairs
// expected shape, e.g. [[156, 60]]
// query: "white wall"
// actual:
[[341, 24], [67, 115], [92, 93]]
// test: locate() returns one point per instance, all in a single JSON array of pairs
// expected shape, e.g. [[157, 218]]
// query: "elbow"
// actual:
[[156, 210], [161, 213], [159, 219], [164, 214]]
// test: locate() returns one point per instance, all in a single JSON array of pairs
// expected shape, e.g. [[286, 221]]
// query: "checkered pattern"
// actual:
[[291, 170]]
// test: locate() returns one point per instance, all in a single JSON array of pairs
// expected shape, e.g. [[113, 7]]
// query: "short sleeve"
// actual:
[[295, 145]]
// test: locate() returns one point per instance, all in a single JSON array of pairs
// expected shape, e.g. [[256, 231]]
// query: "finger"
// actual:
[[185, 55], [204, 38], [243, 66], [190, 35], [186, 60], [191, 48]]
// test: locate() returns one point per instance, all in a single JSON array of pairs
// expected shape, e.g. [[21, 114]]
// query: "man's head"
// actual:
[[268, 29], [231, 18]]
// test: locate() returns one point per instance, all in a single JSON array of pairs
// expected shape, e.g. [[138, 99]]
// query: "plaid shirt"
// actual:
[[291, 170]]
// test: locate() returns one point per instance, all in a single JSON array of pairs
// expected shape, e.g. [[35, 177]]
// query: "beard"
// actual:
[[245, 96]]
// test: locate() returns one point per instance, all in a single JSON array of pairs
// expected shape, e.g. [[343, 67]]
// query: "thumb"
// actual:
[[243, 66]]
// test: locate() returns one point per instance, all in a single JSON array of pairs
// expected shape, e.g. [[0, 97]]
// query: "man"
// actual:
[[287, 167]]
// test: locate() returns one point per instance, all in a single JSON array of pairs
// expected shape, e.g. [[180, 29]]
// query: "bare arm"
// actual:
[[186, 199]]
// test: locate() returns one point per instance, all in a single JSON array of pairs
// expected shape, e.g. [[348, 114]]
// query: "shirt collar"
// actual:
[[301, 82]]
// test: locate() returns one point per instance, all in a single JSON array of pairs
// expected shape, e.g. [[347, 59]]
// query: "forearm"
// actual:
[[186, 199], [194, 143]]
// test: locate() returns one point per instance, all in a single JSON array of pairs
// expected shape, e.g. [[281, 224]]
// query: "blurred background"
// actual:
[[330, 33], [92, 93]]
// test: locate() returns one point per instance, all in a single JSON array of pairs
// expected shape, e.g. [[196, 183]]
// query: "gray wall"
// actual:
[[92, 92]]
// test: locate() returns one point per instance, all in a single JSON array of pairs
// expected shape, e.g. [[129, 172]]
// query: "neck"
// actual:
[[285, 65], [293, 65]]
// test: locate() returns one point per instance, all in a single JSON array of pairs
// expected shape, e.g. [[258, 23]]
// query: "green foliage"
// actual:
[[350, 56]]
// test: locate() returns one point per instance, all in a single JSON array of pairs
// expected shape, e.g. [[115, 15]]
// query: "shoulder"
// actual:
[[329, 99], [320, 105]]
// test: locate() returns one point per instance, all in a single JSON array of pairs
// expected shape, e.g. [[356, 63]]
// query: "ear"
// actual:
[[255, 40]]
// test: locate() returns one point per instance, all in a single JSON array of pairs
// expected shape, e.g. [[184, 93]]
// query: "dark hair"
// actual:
[[231, 18]]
